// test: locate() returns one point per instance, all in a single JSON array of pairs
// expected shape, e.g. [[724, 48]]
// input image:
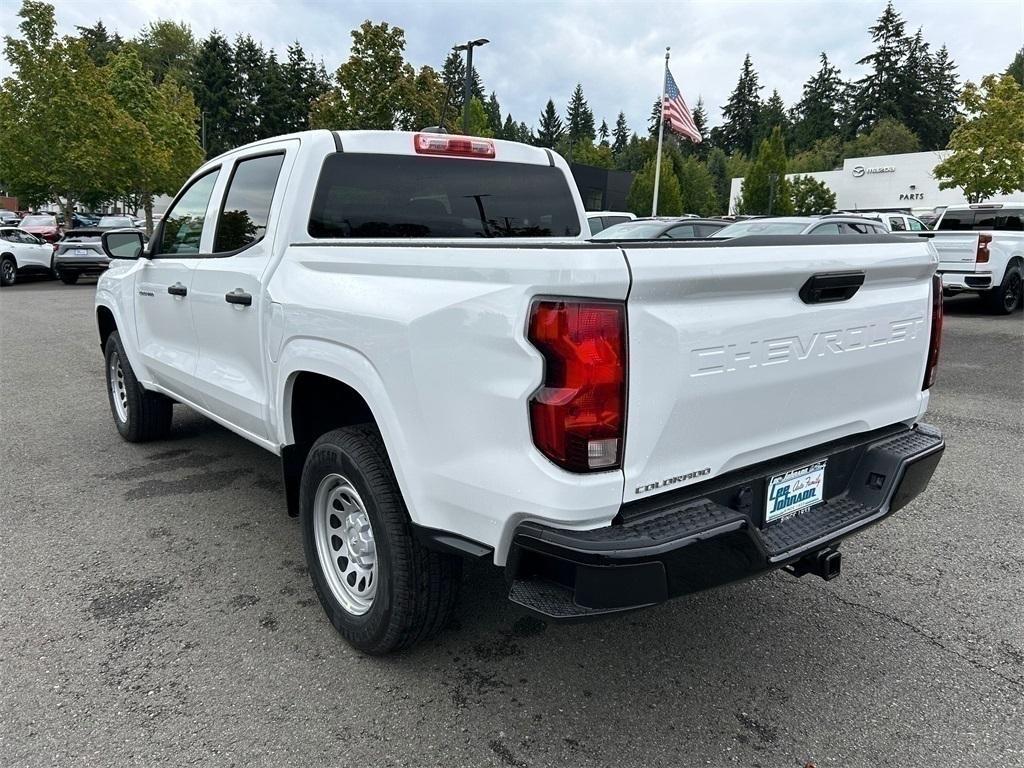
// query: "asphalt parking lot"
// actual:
[[155, 608]]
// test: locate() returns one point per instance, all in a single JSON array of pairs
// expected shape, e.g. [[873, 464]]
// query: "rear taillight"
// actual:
[[460, 146], [981, 257], [578, 415], [935, 339]]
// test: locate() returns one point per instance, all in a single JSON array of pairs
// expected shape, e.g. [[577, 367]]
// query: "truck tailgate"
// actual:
[[957, 250], [729, 366]]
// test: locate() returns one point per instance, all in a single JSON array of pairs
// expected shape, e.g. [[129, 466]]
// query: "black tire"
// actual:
[[417, 588], [8, 271], [68, 278], [147, 414], [1007, 297]]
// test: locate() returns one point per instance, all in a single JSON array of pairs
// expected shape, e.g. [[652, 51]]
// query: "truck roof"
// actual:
[[983, 206], [401, 143]]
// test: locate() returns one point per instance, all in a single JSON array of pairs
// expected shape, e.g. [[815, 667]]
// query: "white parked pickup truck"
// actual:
[[448, 368], [981, 249]]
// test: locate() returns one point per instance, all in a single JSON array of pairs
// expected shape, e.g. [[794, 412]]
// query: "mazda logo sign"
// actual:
[[858, 171]]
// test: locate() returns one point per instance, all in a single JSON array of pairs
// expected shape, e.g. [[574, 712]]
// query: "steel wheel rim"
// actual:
[[345, 544], [8, 270], [118, 390], [1012, 295]]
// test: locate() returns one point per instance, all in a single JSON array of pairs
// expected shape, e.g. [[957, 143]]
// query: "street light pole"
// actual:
[[468, 83]]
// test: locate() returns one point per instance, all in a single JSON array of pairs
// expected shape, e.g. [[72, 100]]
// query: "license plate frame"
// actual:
[[81, 251], [793, 491]]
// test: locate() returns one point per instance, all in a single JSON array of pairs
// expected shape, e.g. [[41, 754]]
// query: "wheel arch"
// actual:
[[106, 324], [325, 386]]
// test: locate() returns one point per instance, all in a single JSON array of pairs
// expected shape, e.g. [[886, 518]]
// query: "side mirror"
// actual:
[[123, 243]]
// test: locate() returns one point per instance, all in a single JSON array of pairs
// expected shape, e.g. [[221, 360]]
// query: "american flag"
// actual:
[[675, 112]]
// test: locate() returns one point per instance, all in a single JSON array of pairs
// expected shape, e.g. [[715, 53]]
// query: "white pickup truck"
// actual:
[[981, 249], [418, 326]]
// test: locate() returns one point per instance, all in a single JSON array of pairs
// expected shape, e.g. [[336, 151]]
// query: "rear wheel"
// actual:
[[380, 587], [1006, 298], [138, 415], [8, 271], [68, 278]]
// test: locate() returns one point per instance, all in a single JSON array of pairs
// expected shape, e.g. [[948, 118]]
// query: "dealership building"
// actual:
[[885, 183]]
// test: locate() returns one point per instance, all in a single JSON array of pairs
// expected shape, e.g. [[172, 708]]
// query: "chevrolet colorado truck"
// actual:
[[418, 326], [981, 249]]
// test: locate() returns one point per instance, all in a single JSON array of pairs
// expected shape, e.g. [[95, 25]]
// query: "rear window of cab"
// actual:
[[406, 196]]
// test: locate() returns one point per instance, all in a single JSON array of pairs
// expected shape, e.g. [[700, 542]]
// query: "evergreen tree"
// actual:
[[636, 153], [720, 179], [603, 134], [1016, 68], [99, 44], [509, 129], [620, 134], [742, 113], [888, 137], [818, 114], [943, 94], [760, 194], [305, 83], [700, 119], [493, 111], [879, 93], [696, 186], [250, 65], [453, 73], [216, 93], [915, 101], [654, 121], [811, 196], [579, 122], [274, 100], [772, 116], [641, 192], [550, 130]]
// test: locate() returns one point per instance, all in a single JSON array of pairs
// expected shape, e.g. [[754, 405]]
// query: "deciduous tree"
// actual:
[[641, 193], [811, 196], [988, 144]]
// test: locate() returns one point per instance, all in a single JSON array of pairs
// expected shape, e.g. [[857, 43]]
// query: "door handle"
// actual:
[[829, 287], [177, 290], [238, 296]]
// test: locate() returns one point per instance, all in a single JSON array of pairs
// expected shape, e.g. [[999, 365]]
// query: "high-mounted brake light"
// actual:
[[935, 338], [459, 146], [982, 254], [578, 414]]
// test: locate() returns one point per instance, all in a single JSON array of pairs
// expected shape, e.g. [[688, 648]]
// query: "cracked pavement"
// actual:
[[155, 608]]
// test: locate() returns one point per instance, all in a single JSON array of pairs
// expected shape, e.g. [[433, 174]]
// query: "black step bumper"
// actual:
[[713, 533]]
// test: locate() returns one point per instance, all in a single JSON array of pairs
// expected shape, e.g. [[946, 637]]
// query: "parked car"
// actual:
[[44, 225], [600, 220], [419, 326], [662, 229], [894, 222], [803, 225], [981, 249], [79, 253], [22, 253], [79, 220], [115, 222], [9, 218]]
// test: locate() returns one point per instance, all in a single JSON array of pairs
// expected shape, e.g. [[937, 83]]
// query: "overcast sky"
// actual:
[[541, 49]]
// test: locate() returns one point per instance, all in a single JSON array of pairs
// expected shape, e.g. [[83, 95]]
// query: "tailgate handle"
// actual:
[[831, 286]]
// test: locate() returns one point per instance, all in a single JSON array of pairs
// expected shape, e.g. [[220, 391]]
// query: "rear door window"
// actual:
[[916, 225], [243, 217], [896, 224], [403, 196], [826, 229], [596, 224], [612, 220], [682, 232]]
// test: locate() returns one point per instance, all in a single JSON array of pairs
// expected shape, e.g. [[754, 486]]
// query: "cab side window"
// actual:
[[246, 210], [183, 223], [916, 226], [896, 224]]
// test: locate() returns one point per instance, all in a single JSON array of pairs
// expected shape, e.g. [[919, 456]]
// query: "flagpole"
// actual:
[[661, 133]]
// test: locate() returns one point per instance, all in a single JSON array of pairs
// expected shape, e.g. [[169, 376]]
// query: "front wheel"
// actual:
[[139, 415], [380, 587], [8, 271], [1004, 299]]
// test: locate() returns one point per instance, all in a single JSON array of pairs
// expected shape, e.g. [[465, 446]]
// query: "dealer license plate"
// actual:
[[794, 490], [81, 251]]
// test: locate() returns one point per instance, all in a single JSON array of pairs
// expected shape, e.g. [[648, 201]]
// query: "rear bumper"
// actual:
[[712, 533], [966, 281], [81, 265]]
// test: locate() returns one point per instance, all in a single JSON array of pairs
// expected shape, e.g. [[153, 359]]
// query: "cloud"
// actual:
[[540, 50]]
